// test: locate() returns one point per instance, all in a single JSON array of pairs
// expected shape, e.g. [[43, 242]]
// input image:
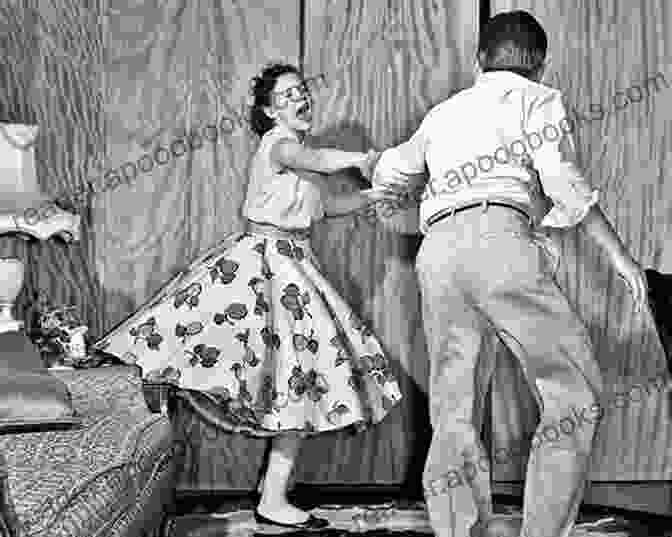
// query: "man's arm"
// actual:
[[404, 165], [554, 157], [343, 204], [596, 225], [575, 202]]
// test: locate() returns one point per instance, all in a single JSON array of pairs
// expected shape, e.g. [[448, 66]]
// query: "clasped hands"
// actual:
[[388, 194]]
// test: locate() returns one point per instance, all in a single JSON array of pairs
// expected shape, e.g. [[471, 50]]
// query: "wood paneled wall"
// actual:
[[386, 65]]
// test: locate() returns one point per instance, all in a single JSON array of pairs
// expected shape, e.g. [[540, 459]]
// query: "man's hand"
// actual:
[[541, 204], [398, 180], [601, 231], [633, 275]]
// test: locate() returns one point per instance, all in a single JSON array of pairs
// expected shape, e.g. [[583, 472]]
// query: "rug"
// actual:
[[371, 520]]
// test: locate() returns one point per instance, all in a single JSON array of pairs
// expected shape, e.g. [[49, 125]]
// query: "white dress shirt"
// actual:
[[471, 144]]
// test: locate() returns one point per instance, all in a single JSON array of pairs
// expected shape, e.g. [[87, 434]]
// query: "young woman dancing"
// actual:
[[254, 324]]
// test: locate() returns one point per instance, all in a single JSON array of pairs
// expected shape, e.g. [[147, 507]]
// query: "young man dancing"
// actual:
[[486, 278]]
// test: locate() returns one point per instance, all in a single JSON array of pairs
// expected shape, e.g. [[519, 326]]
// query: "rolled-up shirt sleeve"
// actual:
[[406, 161], [555, 159]]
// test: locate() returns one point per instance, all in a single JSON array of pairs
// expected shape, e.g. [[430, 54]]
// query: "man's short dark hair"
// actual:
[[513, 41]]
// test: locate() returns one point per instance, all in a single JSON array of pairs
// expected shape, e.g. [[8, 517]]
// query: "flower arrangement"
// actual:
[[59, 334]]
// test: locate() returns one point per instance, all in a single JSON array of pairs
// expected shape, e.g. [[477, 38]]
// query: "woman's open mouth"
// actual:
[[304, 112]]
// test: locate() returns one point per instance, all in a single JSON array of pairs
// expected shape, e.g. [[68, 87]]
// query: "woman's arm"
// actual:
[[292, 154], [342, 204]]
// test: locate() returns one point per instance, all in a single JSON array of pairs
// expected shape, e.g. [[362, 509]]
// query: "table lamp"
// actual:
[[20, 191]]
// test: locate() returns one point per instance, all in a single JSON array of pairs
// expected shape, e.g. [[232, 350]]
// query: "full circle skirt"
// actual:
[[255, 328]]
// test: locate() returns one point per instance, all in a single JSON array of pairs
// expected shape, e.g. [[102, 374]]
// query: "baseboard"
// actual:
[[328, 493], [213, 500], [364, 489], [654, 497], [646, 497]]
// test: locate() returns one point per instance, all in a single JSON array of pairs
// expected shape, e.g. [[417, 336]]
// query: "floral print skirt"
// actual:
[[254, 327]]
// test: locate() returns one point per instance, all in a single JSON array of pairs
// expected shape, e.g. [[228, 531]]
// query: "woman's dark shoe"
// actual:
[[313, 522]]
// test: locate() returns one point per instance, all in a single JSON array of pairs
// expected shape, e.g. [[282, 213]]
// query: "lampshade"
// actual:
[[20, 190]]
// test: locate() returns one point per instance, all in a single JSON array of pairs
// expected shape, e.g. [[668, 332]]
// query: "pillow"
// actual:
[[31, 399]]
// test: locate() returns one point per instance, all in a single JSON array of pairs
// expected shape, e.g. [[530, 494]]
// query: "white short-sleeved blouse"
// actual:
[[279, 196]]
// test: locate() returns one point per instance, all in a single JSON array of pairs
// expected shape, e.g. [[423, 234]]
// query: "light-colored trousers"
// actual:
[[485, 281]]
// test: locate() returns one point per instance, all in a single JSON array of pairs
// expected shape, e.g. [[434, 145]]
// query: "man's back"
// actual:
[[479, 144], [483, 121]]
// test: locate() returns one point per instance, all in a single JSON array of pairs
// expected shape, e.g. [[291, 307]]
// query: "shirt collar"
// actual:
[[504, 79], [285, 131]]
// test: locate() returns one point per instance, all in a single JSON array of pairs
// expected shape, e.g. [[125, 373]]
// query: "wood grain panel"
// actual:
[[385, 65], [173, 69], [597, 50]]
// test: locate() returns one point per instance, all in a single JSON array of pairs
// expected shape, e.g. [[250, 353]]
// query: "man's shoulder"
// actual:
[[542, 92], [456, 102]]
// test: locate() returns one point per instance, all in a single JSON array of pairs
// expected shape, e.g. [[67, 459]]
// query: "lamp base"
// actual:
[[11, 282], [7, 321]]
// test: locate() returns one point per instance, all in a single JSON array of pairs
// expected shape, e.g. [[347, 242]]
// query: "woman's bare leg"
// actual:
[[274, 503], [260, 484], [290, 485]]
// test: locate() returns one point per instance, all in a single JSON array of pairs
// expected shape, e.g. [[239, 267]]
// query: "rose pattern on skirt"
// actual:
[[257, 328]]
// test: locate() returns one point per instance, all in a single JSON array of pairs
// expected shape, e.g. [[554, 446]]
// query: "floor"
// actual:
[[364, 515]]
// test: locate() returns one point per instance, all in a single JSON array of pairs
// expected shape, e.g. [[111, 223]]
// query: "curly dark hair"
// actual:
[[261, 88], [513, 41]]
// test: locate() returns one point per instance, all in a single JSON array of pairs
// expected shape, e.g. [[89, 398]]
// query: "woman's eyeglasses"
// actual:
[[296, 93]]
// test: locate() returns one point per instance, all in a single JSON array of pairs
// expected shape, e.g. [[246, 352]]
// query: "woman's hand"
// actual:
[[369, 164], [363, 201], [384, 194], [384, 201]]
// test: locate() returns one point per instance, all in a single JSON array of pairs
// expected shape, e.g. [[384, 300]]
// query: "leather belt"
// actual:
[[444, 213], [276, 232]]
